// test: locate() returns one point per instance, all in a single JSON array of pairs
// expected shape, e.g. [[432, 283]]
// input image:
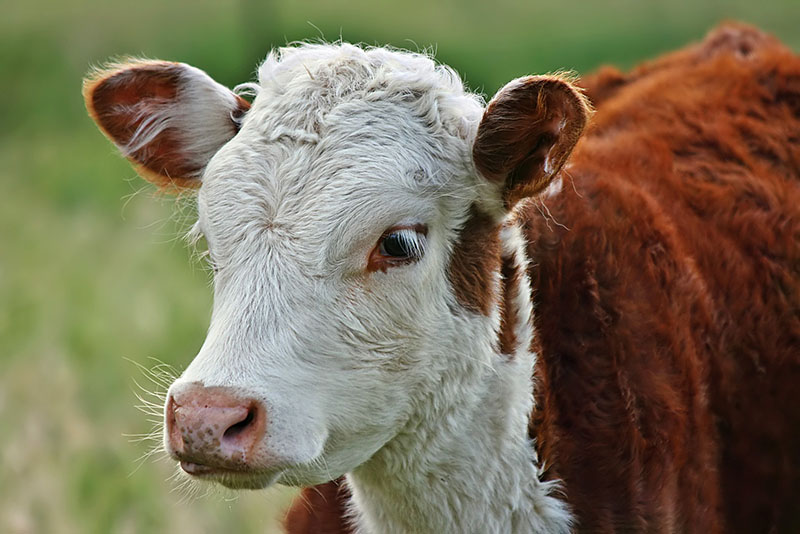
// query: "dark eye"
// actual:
[[399, 245], [396, 245]]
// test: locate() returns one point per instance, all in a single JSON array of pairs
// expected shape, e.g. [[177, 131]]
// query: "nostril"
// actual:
[[214, 426], [235, 430]]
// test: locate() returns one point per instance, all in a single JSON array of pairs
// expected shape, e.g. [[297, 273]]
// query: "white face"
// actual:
[[319, 312], [331, 209]]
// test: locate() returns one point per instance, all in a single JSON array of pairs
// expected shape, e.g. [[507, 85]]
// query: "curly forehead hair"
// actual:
[[321, 76]]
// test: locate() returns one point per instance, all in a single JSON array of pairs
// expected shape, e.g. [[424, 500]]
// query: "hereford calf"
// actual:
[[417, 292]]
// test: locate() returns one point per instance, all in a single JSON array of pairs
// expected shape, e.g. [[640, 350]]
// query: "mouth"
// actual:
[[231, 478]]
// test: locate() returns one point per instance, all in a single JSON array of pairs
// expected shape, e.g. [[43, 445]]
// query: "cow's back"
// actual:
[[667, 288]]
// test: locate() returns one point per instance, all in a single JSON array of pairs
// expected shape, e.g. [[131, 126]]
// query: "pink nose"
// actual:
[[213, 427]]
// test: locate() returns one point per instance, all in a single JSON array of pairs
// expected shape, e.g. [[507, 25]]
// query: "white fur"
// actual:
[[381, 375], [465, 463]]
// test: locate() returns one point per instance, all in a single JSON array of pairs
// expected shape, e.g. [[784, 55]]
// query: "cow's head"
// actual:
[[343, 212]]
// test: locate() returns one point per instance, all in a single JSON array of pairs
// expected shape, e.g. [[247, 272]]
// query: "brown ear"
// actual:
[[527, 133], [167, 118]]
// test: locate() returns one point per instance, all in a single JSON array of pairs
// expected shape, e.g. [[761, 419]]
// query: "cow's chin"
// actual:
[[246, 479], [246, 482], [235, 479]]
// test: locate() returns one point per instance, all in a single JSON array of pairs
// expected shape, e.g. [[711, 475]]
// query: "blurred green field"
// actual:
[[93, 273]]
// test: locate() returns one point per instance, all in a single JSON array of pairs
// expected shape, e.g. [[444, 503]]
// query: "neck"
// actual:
[[464, 462]]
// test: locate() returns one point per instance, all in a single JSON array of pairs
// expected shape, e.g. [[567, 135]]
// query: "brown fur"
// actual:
[[475, 259], [119, 100], [668, 314], [529, 123], [667, 299], [320, 510], [510, 279]]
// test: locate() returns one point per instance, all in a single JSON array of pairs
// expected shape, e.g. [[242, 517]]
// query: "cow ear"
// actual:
[[167, 118], [527, 133]]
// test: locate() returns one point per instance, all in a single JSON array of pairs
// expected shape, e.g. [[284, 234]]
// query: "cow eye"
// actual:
[[397, 246]]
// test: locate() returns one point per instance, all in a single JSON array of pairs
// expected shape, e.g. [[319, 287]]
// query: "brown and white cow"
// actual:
[[423, 294]]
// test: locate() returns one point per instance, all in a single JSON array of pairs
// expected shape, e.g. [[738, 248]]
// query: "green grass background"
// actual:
[[93, 275]]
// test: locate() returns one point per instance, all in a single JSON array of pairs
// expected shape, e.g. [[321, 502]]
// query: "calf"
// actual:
[[417, 291]]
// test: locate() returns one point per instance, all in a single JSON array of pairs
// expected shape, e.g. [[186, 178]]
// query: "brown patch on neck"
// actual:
[[475, 260], [542, 420], [509, 311], [321, 509]]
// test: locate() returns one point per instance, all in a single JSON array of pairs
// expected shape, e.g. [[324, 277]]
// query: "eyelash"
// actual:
[[411, 241], [412, 238]]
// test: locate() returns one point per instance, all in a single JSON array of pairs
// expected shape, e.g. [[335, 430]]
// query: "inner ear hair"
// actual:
[[167, 118], [527, 133]]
